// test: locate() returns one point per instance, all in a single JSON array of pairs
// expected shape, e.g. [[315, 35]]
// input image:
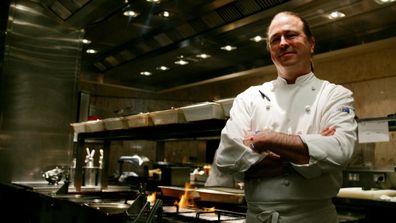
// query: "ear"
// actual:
[[312, 43]]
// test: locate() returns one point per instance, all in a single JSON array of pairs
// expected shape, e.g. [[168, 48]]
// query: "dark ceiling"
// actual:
[[127, 46]]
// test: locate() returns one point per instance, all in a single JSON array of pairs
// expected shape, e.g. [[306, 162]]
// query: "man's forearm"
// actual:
[[289, 147]]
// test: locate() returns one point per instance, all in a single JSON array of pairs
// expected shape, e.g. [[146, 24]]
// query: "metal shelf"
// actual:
[[190, 130], [205, 128]]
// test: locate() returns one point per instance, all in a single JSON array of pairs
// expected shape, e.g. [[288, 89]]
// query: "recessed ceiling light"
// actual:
[[384, 1], [131, 13], [181, 62], [228, 48], [257, 38], [203, 55], [145, 73], [165, 14], [86, 41], [336, 15], [162, 68], [154, 1], [91, 51]]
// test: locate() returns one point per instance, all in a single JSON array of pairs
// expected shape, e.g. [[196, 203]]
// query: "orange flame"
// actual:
[[185, 198], [151, 197]]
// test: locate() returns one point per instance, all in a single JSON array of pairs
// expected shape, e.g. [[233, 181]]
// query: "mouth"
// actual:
[[286, 54]]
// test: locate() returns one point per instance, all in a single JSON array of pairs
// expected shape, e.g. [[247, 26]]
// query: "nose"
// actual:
[[283, 41]]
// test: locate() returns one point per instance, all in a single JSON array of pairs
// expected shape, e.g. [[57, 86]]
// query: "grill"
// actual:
[[175, 214], [202, 211], [166, 209]]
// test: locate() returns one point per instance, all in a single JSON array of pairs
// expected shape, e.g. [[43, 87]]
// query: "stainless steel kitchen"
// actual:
[[118, 110]]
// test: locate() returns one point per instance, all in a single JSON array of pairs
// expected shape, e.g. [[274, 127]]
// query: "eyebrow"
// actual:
[[283, 32]]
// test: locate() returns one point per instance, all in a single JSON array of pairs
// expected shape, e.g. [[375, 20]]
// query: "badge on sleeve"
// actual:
[[344, 109]]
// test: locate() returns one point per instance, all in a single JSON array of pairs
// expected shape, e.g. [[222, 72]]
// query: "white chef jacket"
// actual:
[[304, 108]]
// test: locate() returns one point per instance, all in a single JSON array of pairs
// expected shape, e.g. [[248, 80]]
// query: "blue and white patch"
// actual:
[[344, 109]]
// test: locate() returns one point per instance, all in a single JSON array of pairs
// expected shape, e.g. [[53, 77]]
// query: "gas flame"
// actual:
[[151, 197], [185, 198]]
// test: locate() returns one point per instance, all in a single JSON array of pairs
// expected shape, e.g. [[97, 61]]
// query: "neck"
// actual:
[[291, 74]]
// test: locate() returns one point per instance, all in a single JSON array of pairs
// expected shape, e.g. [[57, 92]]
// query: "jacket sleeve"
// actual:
[[232, 157], [331, 153]]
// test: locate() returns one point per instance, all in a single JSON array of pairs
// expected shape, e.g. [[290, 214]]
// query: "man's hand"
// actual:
[[271, 165], [328, 131]]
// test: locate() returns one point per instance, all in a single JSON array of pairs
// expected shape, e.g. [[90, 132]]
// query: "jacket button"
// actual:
[[307, 108]]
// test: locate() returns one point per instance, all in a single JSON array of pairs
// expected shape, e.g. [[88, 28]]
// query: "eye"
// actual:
[[291, 35], [275, 40]]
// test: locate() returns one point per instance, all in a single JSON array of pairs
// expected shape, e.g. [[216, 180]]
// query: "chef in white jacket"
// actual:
[[289, 139]]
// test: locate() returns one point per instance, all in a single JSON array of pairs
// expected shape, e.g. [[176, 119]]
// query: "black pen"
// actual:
[[264, 96]]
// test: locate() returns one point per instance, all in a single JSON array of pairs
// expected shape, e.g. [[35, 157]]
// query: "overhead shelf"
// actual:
[[196, 129]]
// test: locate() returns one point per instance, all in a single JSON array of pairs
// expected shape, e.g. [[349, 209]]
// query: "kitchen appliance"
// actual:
[[193, 209], [140, 166], [90, 171], [174, 214], [54, 176], [369, 178], [173, 174]]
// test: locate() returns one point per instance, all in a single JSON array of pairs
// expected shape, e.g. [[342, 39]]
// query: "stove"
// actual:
[[202, 211], [193, 214]]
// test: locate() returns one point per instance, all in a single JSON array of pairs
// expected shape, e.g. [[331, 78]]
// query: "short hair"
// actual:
[[306, 28]]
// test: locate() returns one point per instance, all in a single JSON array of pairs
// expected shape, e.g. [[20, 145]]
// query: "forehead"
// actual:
[[284, 22]]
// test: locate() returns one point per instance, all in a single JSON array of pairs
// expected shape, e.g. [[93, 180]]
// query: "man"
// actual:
[[290, 138]]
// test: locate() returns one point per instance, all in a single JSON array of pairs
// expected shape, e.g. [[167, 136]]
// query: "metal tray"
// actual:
[[177, 192], [232, 196], [203, 111], [170, 116]]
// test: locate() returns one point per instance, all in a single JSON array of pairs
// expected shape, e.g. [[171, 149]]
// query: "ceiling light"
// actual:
[[165, 14], [203, 55], [383, 1], [336, 15], [228, 48], [86, 41], [154, 1], [131, 13], [163, 68], [181, 62], [257, 39], [91, 51], [145, 73]]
